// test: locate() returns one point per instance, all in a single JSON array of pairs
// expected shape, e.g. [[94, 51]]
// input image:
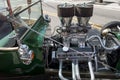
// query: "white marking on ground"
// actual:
[[113, 6]]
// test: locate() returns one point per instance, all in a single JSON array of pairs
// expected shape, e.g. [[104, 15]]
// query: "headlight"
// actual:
[[26, 55]]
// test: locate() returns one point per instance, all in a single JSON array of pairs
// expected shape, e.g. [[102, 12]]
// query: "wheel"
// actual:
[[113, 57], [112, 25], [110, 30]]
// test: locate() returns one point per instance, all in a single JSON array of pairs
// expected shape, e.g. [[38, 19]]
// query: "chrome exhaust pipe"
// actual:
[[77, 70], [60, 71], [73, 70], [91, 70], [96, 62]]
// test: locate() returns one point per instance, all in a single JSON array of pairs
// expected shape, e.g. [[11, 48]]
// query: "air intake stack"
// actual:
[[65, 13], [83, 13]]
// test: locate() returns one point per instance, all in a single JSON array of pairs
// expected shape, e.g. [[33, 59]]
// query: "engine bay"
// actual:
[[77, 47]]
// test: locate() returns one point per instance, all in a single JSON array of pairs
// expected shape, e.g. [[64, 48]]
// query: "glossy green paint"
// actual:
[[10, 61], [118, 65], [117, 34], [32, 38], [4, 40], [35, 41]]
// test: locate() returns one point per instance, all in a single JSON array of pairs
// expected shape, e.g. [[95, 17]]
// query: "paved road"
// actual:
[[102, 15]]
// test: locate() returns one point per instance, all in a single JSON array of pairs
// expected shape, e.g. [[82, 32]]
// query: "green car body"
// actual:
[[9, 59]]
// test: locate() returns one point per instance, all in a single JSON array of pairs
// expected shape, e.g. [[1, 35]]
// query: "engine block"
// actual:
[[82, 54]]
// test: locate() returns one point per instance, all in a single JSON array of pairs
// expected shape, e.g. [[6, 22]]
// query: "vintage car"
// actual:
[[20, 48], [77, 51]]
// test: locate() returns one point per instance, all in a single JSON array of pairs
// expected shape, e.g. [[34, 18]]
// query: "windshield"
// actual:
[[33, 12]]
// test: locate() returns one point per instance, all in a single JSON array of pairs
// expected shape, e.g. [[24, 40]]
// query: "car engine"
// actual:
[[77, 46]]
